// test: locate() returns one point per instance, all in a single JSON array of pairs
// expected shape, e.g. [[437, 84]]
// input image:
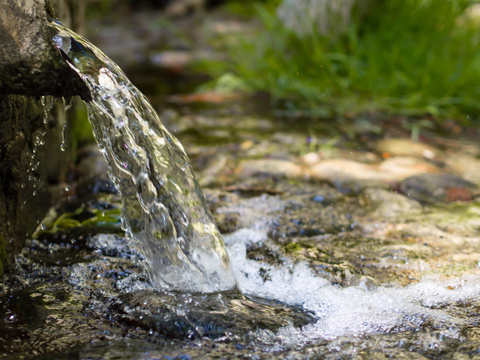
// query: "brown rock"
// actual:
[[399, 168], [271, 167], [431, 188], [405, 147]]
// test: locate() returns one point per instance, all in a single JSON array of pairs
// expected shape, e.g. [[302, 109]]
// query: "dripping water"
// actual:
[[164, 210]]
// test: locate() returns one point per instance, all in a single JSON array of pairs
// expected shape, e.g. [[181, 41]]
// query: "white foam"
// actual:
[[346, 311]]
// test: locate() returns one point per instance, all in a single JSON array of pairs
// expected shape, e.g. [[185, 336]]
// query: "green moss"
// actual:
[[94, 220]]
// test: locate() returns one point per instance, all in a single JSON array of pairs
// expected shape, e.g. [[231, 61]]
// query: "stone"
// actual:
[[399, 168], [466, 166], [269, 167], [90, 162], [353, 176], [432, 188], [30, 64], [212, 172], [349, 176], [30, 140], [405, 147], [388, 204]]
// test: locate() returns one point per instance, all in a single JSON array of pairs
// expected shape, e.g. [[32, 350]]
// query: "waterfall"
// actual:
[[164, 210]]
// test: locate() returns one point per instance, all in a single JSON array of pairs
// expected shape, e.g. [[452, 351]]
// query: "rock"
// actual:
[[29, 62], [431, 188], [349, 176], [352, 176], [311, 158], [405, 147], [212, 172], [30, 156], [234, 314], [468, 167], [269, 167], [94, 184], [91, 162], [309, 219], [388, 204], [399, 168]]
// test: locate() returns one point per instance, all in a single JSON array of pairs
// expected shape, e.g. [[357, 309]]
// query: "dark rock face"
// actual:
[[20, 117], [29, 62], [30, 67]]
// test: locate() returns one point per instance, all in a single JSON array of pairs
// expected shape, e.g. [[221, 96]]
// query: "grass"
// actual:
[[408, 56]]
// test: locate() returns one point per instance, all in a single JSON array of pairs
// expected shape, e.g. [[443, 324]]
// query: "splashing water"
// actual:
[[164, 210]]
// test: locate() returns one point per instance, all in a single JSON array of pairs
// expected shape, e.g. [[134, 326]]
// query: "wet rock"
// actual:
[[326, 196], [399, 168], [269, 167], [211, 173], [205, 315], [405, 147], [322, 260], [218, 198], [349, 176], [227, 222], [431, 188], [312, 220], [90, 162], [468, 167], [94, 184], [388, 204]]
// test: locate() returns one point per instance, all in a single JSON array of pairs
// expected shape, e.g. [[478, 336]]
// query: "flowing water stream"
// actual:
[[164, 209], [320, 277]]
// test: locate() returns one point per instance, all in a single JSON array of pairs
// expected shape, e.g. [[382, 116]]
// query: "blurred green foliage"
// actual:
[[408, 56]]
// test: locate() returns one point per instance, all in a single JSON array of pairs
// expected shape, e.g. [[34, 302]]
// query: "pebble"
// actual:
[[270, 167], [405, 147], [432, 188]]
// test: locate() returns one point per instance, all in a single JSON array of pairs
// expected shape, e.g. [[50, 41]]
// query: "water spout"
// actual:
[[164, 210]]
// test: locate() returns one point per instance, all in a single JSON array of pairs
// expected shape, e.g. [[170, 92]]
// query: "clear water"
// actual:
[[164, 209]]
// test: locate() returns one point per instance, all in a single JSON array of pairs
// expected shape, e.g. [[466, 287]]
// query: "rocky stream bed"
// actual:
[[348, 238], [342, 248]]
